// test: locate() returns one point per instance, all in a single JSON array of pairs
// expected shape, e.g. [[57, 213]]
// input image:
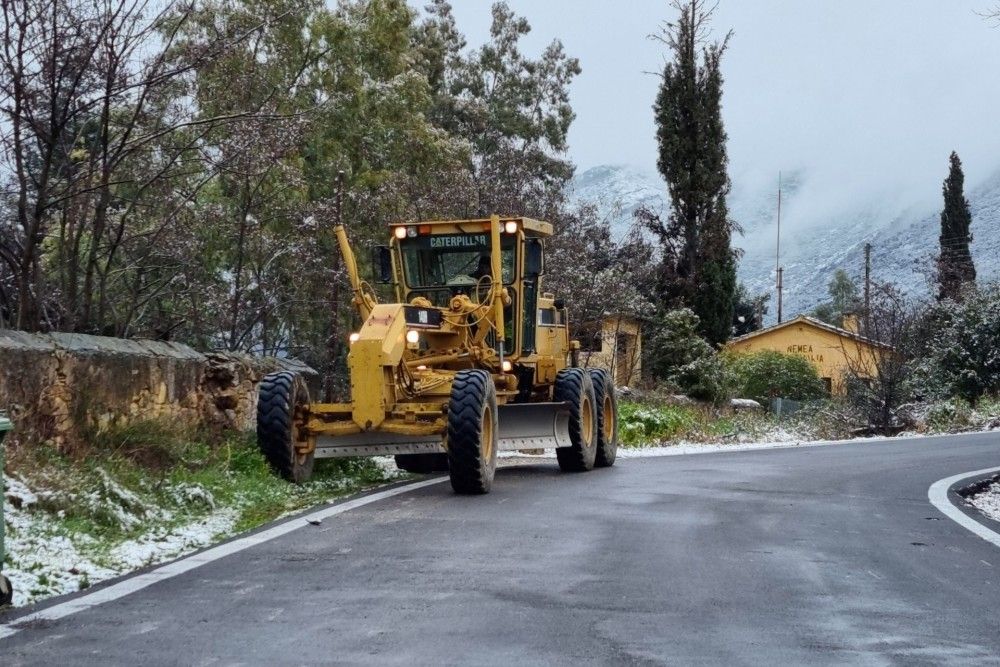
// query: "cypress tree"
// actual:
[[699, 266], [955, 269]]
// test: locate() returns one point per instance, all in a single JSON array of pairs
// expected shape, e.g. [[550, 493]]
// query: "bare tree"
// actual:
[[877, 362], [95, 116], [992, 14]]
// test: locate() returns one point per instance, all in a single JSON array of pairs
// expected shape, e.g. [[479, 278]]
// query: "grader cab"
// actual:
[[472, 358]]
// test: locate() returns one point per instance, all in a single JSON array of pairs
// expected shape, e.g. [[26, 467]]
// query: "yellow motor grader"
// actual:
[[472, 358]]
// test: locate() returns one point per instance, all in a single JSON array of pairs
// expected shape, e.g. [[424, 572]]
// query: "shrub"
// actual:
[[677, 354], [765, 374], [958, 353], [640, 424], [949, 415]]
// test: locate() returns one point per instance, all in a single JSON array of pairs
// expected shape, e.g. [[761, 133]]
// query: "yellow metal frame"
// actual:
[[403, 388]]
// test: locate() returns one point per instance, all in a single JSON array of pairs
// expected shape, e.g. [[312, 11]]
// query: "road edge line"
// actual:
[[137, 582], [938, 494]]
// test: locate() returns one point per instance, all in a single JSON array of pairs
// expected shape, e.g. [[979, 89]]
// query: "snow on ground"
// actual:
[[46, 563], [680, 448], [164, 544], [988, 501], [388, 466], [45, 560]]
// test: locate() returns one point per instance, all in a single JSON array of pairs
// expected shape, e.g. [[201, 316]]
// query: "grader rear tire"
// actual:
[[472, 432], [573, 385], [422, 463], [606, 410], [277, 399]]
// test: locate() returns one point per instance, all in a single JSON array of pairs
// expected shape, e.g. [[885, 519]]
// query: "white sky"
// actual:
[[868, 96]]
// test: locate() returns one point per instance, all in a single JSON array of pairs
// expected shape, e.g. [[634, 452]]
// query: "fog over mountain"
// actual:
[[858, 102], [814, 243]]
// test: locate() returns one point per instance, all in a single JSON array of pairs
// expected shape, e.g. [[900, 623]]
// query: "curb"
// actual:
[[948, 496]]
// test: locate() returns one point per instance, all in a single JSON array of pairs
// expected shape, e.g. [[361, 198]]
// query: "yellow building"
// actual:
[[834, 351], [616, 346]]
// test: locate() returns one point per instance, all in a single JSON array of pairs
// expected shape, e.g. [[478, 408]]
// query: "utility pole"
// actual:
[[777, 250], [868, 276], [780, 271]]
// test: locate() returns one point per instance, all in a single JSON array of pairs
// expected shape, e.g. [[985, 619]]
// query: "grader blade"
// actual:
[[374, 443], [534, 426]]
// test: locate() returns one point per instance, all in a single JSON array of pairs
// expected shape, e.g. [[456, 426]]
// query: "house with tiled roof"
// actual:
[[835, 352]]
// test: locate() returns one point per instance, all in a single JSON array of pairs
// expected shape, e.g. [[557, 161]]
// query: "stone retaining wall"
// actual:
[[58, 387]]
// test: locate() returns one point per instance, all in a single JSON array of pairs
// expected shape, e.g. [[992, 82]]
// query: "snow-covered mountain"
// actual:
[[817, 238]]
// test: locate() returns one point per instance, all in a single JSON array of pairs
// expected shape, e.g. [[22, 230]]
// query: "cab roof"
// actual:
[[530, 226]]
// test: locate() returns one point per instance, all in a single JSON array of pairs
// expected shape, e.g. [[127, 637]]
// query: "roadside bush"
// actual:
[[765, 374], [704, 379], [958, 353], [675, 353], [949, 415]]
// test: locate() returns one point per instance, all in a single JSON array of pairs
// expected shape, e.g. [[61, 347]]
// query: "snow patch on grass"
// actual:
[[74, 521], [170, 543], [44, 558], [387, 464]]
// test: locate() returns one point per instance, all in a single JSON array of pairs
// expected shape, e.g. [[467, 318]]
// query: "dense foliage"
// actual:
[[698, 266], [958, 350], [173, 173], [767, 374], [677, 354]]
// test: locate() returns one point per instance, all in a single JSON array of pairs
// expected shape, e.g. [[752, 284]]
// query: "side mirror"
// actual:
[[560, 304], [382, 261], [533, 260]]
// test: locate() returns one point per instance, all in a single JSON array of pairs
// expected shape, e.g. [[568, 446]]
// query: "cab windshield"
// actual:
[[453, 260]]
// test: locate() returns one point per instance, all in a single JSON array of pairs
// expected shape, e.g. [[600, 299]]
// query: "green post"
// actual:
[[6, 593]]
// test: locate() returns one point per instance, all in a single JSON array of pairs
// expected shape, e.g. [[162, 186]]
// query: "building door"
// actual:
[[624, 358]]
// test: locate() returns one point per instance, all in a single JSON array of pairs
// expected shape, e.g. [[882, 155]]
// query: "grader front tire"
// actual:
[[277, 399], [573, 386], [472, 432], [606, 410]]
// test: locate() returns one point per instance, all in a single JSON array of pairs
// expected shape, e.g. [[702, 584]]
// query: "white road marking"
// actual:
[[188, 563], [938, 495]]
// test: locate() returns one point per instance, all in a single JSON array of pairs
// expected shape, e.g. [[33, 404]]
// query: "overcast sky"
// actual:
[[864, 94]]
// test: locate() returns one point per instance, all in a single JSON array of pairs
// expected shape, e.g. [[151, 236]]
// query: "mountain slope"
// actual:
[[904, 238]]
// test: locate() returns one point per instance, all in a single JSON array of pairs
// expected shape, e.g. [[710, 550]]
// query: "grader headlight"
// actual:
[[400, 232], [353, 338], [412, 338], [510, 226]]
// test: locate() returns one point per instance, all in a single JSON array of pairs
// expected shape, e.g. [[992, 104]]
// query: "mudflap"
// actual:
[[534, 426]]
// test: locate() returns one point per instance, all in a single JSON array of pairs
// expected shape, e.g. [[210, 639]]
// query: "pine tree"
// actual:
[[955, 269], [699, 265]]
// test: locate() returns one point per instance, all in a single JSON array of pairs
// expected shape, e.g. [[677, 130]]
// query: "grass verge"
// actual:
[[146, 493], [644, 424]]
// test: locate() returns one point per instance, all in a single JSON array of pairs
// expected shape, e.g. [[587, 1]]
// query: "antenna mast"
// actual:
[[777, 251]]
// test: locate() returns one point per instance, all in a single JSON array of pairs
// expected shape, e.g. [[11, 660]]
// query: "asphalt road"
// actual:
[[819, 555]]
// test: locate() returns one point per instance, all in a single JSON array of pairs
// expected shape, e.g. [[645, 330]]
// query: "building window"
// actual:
[[828, 384]]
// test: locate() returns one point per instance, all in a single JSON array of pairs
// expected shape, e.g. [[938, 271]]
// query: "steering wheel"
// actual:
[[461, 280]]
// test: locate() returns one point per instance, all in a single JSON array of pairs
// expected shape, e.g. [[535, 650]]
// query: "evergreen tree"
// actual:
[[749, 311], [955, 269], [843, 299], [699, 264]]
